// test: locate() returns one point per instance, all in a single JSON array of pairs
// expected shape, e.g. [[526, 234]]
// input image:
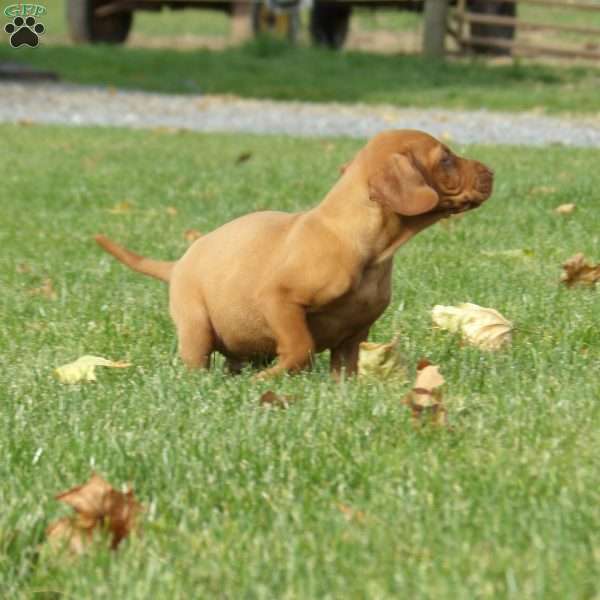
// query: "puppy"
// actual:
[[277, 285]]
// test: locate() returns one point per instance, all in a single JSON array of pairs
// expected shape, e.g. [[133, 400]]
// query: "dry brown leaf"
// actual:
[[565, 209], [483, 327], [270, 398], [425, 398], [243, 157], [191, 235], [577, 270], [381, 360], [98, 507], [83, 369], [23, 268], [171, 211], [46, 289], [121, 208]]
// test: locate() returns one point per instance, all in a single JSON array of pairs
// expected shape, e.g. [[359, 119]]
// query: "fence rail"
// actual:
[[586, 45]]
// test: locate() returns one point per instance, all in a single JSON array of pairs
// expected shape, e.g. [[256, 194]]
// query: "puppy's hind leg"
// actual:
[[195, 342], [194, 333]]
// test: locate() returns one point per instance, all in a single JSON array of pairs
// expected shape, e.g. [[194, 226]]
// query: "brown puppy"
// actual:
[[272, 284]]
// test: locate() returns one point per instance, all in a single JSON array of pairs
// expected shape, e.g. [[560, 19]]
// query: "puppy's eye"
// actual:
[[448, 161]]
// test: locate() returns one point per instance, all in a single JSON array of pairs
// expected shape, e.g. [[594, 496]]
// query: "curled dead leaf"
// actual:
[[577, 270], [483, 327], [425, 398], [171, 211], [191, 235], [381, 361], [565, 209], [98, 507], [270, 398], [83, 369]]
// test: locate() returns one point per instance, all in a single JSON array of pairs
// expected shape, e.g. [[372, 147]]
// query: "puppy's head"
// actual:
[[412, 173]]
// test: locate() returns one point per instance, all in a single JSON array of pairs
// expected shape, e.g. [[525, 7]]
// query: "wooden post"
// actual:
[[434, 28], [241, 21]]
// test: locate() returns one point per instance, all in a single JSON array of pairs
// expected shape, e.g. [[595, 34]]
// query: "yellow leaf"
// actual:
[[565, 209], [121, 208], [381, 360], [483, 327], [83, 369]]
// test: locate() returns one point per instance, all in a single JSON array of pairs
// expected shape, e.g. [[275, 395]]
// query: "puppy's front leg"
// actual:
[[344, 358], [287, 321]]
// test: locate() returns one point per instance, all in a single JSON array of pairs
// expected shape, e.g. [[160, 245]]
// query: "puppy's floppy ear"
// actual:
[[400, 186]]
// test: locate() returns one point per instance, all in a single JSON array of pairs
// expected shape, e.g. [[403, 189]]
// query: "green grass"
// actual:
[[269, 69], [243, 502], [266, 69]]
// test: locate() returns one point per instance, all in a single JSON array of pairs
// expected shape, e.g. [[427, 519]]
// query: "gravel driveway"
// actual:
[[79, 105]]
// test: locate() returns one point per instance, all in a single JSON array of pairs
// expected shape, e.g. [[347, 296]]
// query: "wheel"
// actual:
[[485, 30], [86, 27], [329, 24], [284, 23]]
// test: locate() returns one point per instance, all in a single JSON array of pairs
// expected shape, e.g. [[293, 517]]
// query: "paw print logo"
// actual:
[[24, 32]]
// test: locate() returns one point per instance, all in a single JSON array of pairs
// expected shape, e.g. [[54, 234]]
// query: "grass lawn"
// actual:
[[270, 69], [338, 496]]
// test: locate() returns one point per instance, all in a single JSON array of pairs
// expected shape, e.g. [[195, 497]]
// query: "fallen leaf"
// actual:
[[46, 289], [23, 268], [381, 361], [565, 209], [577, 270], [243, 157], [171, 211], [166, 130], [351, 514], [425, 398], [483, 327], [270, 398], [98, 507], [121, 208], [542, 189], [25, 122], [514, 253], [191, 235], [83, 369]]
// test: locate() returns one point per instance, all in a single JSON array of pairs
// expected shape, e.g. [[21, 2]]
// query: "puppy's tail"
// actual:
[[159, 269]]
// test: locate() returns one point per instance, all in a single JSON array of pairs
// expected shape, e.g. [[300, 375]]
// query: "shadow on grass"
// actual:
[[268, 69]]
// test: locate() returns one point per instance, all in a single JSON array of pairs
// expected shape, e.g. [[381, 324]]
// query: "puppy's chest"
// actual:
[[358, 307]]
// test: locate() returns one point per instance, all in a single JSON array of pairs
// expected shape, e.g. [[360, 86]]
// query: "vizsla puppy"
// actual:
[[272, 284]]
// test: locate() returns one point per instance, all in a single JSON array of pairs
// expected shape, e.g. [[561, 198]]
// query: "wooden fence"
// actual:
[[560, 39]]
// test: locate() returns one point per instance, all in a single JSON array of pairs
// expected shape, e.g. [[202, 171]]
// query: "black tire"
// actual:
[[329, 24], [484, 30], [87, 28]]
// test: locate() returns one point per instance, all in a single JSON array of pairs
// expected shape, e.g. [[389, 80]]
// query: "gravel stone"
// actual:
[[49, 102]]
